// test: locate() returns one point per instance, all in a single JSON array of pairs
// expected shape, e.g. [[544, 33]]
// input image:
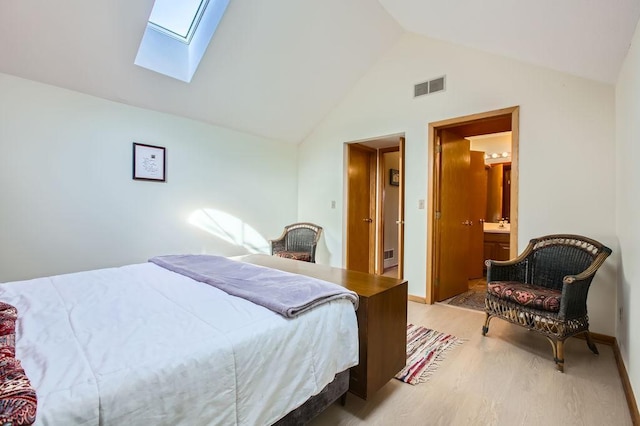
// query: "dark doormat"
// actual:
[[471, 299]]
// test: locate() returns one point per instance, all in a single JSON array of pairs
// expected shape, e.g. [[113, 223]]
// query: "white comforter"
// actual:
[[142, 345]]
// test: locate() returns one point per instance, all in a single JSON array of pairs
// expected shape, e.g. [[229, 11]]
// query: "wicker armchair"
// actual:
[[545, 288], [298, 241]]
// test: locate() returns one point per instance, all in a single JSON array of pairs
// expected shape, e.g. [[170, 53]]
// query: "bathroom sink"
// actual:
[[496, 228]]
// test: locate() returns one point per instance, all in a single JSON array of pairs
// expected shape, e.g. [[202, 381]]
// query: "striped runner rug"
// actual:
[[425, 349]]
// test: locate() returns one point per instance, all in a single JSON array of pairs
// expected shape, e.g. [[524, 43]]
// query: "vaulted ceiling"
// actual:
[[277, 68]]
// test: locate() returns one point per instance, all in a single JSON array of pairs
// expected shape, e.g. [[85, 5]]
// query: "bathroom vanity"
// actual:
[[496, 241]]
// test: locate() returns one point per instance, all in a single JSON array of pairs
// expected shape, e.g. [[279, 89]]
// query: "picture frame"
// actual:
[[394, 177], [149, 162]]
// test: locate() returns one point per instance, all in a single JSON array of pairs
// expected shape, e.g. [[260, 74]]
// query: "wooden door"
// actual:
[[478, 208], [452, 219], [360, 208]]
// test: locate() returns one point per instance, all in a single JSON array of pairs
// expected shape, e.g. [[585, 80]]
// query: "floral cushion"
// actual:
[[296, 255], [17, 398], [529, 295]]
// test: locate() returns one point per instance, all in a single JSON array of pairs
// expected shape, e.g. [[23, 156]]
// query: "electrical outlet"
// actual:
[[420, 204], [333, 204]]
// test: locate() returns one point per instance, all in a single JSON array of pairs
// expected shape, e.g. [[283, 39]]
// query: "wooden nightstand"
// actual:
[[382, 319]]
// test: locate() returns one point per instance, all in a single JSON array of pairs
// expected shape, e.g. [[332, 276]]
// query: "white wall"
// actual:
[[628, 210], [68, 201], [567, 168]]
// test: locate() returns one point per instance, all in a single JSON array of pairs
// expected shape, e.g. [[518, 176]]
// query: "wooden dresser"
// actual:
[[382, 319]]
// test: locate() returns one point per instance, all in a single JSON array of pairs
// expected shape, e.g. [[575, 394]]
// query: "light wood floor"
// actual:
[[391, 272], [505, 378]]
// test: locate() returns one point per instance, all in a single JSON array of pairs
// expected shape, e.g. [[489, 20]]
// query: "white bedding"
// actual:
[[142, 345]]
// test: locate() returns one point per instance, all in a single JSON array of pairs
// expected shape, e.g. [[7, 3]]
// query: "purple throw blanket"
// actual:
[[282, 292]]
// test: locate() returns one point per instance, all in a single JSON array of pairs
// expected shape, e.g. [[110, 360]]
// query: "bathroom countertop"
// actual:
[[496, 229]]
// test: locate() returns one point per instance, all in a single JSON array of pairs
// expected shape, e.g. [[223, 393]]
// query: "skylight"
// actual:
[[177, 18], [177, 35]]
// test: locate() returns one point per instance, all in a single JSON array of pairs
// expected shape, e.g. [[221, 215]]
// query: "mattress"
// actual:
[[142, 345]]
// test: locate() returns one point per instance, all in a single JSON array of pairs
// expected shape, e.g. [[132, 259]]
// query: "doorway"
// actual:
[[452, 232], [374, 195]]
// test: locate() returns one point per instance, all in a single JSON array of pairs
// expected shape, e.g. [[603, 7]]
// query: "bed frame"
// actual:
[[315, 405]]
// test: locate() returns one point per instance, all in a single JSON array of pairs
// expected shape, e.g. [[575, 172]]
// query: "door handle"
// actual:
[[367, 219], [399, 222]]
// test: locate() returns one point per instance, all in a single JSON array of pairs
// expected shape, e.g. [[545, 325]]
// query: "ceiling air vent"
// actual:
[[431, 86]]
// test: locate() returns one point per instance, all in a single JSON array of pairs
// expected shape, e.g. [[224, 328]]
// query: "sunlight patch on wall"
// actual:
[[229, 229]]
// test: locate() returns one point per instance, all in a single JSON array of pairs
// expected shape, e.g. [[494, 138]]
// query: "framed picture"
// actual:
[[394, 177], [148, 162]]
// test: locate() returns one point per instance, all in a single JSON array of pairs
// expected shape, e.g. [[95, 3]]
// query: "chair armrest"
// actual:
[[575, 289], [313, 252], [510, 270], [589, 272], [277, 245], [573, 303], [506, 271]]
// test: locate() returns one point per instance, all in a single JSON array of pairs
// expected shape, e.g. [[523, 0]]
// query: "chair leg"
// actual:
[[590, 343], [485, 327], [558, 355]]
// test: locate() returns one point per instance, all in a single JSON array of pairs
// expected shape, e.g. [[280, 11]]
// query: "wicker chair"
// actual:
[[298, 241], [545, 288]]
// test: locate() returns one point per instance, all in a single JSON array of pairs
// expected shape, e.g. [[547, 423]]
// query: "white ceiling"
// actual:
[[588, 38], [277, 68], [273, 68]]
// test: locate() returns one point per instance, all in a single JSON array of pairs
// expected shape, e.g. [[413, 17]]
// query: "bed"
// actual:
[[143, 345]]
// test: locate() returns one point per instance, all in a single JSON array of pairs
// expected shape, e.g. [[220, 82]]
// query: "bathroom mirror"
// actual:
[[498, 192]]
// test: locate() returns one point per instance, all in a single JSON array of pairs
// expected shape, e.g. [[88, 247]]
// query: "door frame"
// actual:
[[470, 125]]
